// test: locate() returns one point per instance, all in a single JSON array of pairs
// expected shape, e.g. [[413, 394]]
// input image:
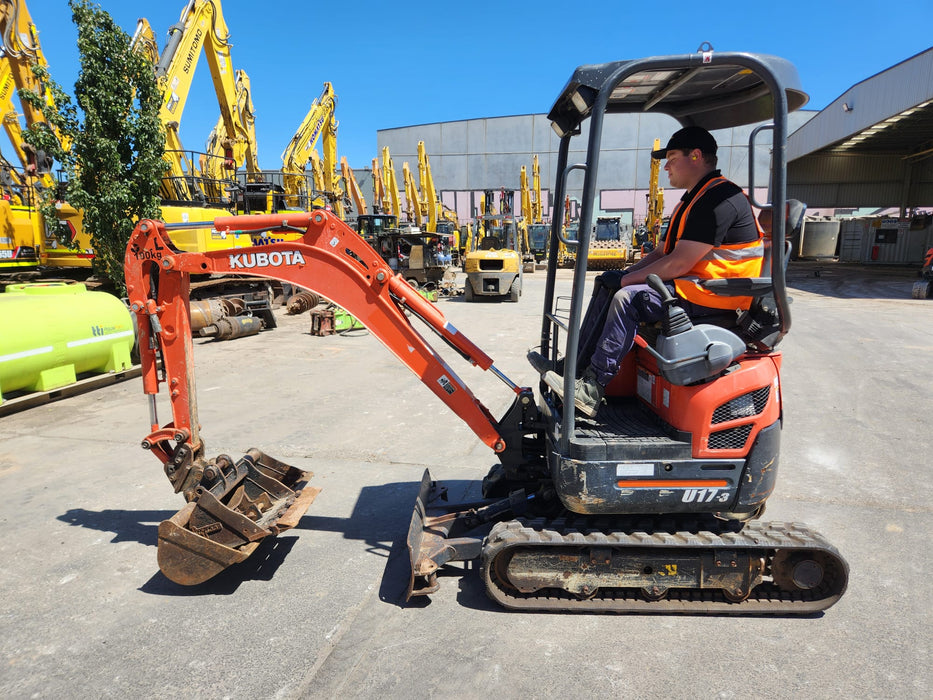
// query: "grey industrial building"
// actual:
[[863, 165]]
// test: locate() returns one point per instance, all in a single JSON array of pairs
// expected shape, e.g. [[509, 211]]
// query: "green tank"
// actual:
[[52, 333]]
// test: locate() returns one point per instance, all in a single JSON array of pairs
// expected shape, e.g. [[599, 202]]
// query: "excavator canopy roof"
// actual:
[[708, 89]]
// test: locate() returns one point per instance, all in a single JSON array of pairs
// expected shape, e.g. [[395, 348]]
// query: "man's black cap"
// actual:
[[687, 139]]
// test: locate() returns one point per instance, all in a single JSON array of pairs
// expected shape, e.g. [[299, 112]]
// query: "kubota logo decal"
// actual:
[[274, 259]]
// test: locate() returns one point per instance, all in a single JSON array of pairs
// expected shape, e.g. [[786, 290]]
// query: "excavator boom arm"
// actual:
[[330, 259], [354, 187]]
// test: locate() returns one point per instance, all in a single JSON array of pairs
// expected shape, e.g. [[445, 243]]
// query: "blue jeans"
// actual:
[[612, 319]]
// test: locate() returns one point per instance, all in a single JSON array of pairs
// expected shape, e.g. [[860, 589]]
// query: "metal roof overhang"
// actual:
[[871, 146]]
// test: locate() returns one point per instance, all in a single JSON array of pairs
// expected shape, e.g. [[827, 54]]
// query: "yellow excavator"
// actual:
[[440, 219], [646, 236], [318, 123], [225, 155], [21, 239], [528, 257], [188, 192], [538, 231], [31, 241], [390, 184]]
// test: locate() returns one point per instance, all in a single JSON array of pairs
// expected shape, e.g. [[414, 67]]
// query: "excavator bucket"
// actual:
[[222, 525]]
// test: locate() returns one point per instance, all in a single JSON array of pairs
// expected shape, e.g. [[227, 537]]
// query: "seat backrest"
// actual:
[[793, 221]]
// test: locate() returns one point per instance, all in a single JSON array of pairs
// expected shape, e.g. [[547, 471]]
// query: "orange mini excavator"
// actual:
[[650, 506]]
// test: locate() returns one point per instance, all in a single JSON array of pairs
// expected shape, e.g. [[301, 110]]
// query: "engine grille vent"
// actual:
[[730, 439], [744, 406]]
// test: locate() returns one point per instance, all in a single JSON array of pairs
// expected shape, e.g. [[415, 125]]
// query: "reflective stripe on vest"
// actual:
[[723, 261]]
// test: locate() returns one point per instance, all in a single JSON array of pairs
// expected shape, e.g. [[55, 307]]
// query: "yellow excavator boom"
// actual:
[[380, 196], [655, 211], [359, 201], [144, 41], [201, 27], [318, 122], [224, 154], [412, 200], [391, 184], [536, 214]]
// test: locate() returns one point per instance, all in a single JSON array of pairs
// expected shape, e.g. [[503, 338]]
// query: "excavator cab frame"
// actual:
[[758, 88]]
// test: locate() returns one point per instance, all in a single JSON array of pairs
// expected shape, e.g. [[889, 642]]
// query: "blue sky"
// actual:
[[415, 62]]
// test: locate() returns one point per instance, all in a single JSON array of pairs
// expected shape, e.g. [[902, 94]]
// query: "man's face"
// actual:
[[679, 167]]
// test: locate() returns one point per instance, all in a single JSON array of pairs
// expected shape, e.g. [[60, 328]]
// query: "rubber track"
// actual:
[[765, 599]]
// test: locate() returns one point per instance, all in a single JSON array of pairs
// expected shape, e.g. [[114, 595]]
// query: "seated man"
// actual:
[[712, 234]]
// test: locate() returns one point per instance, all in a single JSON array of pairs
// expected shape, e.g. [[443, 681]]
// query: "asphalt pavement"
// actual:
[[320, 613]]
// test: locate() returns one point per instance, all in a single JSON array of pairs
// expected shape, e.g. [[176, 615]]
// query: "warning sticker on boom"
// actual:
[[446, 384]]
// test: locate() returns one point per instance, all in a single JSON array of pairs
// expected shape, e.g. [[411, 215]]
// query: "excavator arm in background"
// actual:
[[380, 196], [526, 215], [21, 51], [391, 184], [431, 206], [353, 187], [225, 155], [655, 212], [536, 213], [144, 41], [201, 27], [20, 41], [9, 113], [429, 201], [413, 210], [318, 122], [233, 505]]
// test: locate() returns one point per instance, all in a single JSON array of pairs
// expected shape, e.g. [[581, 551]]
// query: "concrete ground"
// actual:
[[319, 612]]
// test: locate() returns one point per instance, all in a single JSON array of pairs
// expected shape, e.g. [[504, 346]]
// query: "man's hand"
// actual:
[[685, 255]]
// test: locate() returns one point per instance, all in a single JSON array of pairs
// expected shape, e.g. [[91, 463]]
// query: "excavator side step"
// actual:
[[258, 497], [763, 569]]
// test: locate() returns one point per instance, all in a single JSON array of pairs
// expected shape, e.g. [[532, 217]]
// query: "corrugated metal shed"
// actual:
[[873, 146]]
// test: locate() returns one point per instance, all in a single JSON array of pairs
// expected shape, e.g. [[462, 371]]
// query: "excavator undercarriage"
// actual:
[[658, 564]]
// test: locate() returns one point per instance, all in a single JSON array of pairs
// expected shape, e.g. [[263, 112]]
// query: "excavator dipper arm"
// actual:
[[234, 505]]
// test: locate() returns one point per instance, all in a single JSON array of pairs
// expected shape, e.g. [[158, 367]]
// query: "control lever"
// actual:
[[675, 320]]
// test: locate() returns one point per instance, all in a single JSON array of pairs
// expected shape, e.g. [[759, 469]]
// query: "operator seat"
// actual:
[[760, 325]]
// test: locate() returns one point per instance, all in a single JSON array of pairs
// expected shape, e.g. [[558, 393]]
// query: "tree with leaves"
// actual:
[[114, 165]]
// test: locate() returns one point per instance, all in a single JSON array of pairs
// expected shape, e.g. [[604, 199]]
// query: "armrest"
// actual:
[[739, 287]]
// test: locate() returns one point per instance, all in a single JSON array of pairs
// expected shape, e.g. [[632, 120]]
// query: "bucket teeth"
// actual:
[[225, 522]]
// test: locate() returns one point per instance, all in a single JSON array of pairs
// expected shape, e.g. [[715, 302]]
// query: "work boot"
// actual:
[[587, 392]]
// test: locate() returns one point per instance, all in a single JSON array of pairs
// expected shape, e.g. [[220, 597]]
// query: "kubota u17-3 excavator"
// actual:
[[650, 506]]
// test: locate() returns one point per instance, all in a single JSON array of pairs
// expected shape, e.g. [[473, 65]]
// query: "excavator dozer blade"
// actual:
[[441, 533], [258, 497]]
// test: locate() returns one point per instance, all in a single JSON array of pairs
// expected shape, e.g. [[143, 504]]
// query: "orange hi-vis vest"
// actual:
[[723, 261]]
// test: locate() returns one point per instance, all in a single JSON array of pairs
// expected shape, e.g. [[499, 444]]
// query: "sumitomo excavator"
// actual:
[[651, 506]]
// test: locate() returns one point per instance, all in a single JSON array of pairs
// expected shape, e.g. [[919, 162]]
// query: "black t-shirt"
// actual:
[[722, 215]]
